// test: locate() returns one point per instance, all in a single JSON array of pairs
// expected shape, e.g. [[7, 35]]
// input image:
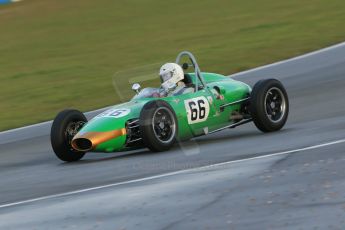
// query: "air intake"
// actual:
[[82, 144]]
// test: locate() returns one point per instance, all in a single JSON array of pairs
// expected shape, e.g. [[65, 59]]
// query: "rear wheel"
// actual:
[[269, 105], [65, 126], [158, 125]]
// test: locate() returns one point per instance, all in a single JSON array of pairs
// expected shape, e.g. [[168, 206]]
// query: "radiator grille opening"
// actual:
[[82, 144]]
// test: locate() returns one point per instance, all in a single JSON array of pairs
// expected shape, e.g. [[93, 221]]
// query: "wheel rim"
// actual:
[[275, 105], [163, 124], [71, 130]]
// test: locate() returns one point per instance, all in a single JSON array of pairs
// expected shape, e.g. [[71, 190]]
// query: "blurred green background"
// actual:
[[57, 54]]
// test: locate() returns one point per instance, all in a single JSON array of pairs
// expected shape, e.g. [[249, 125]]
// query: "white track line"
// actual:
[[45, 122], [233, 75], [170, 174], [290, 59]]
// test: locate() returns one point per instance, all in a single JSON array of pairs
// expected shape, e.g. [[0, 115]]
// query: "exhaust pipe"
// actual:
[[89, 140]]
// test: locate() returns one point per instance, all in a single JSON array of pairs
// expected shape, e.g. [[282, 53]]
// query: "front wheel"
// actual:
[[158, 125], [269, 105], [65, 126]]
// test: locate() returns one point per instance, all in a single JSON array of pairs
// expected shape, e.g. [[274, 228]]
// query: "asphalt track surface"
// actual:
[[291, 179]]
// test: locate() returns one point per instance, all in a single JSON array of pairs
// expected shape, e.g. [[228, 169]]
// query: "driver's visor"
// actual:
[[166, 75]]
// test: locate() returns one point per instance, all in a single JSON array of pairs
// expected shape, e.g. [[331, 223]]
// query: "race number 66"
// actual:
[[197, 109]]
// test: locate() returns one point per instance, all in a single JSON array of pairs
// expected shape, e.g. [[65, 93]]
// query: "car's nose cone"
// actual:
[[89, 140]]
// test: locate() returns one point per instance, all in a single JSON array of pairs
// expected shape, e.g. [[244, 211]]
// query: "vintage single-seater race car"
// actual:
[[156, 118]]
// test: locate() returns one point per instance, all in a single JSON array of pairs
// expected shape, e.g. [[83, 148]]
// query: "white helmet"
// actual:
[[170, 74]]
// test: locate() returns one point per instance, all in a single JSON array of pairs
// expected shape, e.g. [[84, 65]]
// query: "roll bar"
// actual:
[[195, 65]]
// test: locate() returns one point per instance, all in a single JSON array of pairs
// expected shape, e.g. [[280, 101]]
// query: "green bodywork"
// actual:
[[231, 91]]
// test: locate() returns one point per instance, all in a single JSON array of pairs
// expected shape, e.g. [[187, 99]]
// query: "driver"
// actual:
[[172, 75]]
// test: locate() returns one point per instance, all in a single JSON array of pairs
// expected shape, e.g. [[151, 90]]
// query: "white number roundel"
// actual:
[[197, 109], [116, 113]]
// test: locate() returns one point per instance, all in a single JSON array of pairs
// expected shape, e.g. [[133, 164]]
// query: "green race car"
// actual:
[[157, 117]]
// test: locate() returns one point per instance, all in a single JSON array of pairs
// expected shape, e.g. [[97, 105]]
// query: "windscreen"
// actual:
[[147, 76]]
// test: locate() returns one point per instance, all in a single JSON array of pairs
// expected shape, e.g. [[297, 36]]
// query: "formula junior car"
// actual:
[[212, 103]]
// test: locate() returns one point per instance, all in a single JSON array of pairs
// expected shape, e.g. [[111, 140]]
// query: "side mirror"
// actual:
[[136, 87], [185, 66]]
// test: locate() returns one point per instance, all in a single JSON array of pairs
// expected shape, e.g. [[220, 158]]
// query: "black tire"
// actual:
[[150, 131], [269, 105], [61, 139]]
